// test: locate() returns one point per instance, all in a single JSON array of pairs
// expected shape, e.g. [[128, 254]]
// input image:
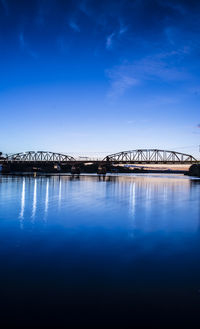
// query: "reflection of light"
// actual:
[[60, 193], [21, 215], [149, 189], [132, 198], [47, 197], [34, 199]]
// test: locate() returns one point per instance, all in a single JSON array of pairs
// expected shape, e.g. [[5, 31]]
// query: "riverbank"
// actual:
[[194, 170], [41, 173]]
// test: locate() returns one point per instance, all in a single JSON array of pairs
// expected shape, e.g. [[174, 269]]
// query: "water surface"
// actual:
[[120, 251]]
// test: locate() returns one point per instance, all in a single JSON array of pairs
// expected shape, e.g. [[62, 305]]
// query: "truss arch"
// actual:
[[37, 156], [150, 156]]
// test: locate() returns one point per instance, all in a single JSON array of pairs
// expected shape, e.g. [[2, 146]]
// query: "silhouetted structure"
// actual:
[[150, 156], [194, 170], [42, 161], [32, 156]]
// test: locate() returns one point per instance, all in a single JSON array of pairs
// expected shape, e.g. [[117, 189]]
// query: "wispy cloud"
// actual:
[[109, 40], [84, 8], [74, 26], [122, 28], [120, 82], [44, 10], [24, 46], [115, 35], [174, 6], [152, 68], [5, 6], [195, 90]]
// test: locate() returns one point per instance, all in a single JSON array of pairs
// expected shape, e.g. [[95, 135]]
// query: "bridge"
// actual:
[[150, 156], [39, 156], [139, 156]]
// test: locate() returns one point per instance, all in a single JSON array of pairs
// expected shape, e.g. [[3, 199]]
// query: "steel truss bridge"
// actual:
[[151, 156], [39, 156], [139, 156]]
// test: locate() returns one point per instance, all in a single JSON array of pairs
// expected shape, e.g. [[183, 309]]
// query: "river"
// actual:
[[124, 250]]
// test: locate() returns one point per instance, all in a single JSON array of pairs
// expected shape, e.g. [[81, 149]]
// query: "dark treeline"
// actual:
[[78, 168]]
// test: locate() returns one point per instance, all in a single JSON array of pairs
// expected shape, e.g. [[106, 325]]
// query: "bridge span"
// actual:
[[39, 156], [150, 156], [139, 156]]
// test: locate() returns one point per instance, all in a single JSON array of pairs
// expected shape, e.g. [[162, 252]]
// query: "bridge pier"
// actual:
[[101, 171], [75, 170], [5, 168]]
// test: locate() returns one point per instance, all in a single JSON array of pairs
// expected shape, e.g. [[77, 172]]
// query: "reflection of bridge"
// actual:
[[140, 156]]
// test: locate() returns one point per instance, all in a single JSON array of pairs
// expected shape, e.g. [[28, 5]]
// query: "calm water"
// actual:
[[123, 251]]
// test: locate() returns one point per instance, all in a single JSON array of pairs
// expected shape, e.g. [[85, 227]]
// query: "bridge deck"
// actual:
[[103, 162]]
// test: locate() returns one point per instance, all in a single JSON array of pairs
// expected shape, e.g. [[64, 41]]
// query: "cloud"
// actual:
[[114, 36], [198, 126], [45, 8], [24, 46], [195, 90], [122, 29], [84, 8], [109, 40], [152, 68], [177, 7], [149, 22], [120, 82], [73, 25]]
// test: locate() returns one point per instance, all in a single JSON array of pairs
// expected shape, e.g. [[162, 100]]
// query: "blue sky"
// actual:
[[96, 77]]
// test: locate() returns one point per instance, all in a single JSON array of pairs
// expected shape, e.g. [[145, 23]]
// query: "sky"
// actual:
[[88, 77]]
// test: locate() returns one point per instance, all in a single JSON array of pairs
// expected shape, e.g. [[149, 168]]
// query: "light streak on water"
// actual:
[[46, 198], [21, 215], [34, 199]]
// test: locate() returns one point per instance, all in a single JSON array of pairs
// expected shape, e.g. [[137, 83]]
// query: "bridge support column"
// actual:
[[75, 170], [101, 171]]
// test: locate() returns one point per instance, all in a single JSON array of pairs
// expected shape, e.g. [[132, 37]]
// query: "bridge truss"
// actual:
[[134, 156], [150, 156], [32, 156]]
